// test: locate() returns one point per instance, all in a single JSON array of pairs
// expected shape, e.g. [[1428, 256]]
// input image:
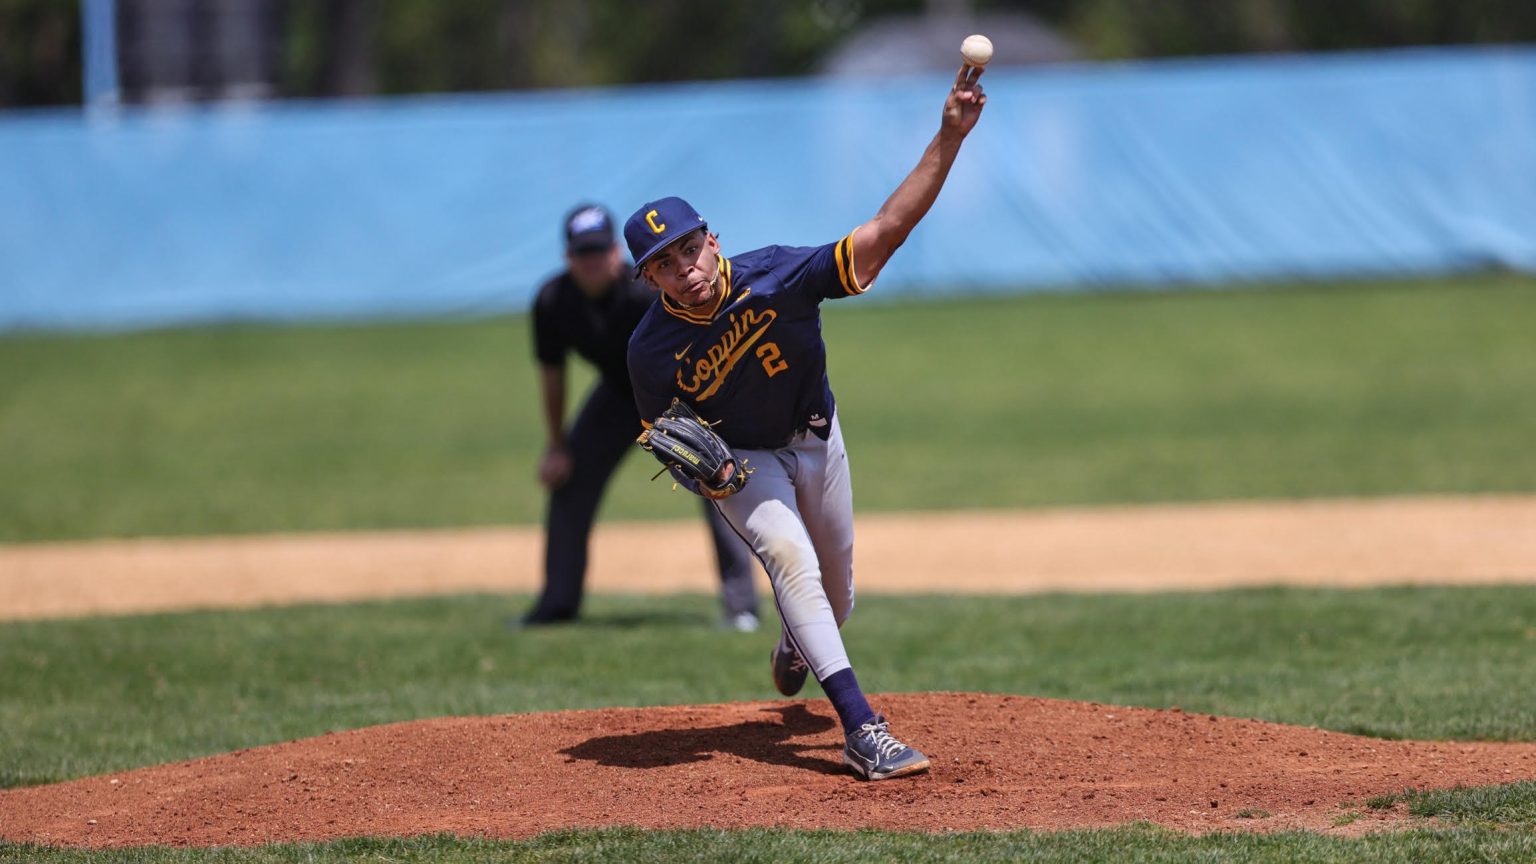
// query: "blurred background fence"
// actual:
[[1143, 173], [232, 161]]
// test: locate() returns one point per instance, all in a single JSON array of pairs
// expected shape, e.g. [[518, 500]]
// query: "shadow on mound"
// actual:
[[999, 763], [759, 740]]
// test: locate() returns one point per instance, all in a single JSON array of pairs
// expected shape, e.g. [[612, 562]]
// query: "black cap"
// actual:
[[588, 228]]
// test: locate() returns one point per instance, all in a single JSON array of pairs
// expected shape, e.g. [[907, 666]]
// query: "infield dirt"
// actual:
[[999, 762], [1336, 543]]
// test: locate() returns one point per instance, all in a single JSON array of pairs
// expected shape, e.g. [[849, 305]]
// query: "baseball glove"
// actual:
[[692, 451]]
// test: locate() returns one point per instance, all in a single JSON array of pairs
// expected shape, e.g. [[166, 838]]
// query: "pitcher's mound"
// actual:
[[999, 762]]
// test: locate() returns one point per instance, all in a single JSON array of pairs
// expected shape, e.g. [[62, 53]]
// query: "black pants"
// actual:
[[604, 431]]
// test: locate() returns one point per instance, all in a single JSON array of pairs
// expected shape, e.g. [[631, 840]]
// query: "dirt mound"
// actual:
[[999, 762]]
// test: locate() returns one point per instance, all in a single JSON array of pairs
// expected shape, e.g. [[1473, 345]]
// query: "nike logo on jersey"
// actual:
[[710, 371], [683, 353]]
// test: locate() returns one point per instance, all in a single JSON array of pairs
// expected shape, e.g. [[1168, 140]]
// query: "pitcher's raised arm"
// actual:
[[876, 240]]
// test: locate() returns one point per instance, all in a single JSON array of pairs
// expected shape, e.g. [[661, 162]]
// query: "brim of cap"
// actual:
[[665, 242]]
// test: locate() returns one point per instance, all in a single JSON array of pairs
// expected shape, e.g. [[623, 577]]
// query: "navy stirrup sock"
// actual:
[[852, 708]]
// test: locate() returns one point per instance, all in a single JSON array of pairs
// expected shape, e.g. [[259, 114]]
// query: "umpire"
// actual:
[[591, 308]]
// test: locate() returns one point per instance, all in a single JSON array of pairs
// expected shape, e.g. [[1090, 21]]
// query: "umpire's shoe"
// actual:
[[874, 755], [789, 669]]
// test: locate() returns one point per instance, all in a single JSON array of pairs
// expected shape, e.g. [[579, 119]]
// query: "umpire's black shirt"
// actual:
[[565, 319]]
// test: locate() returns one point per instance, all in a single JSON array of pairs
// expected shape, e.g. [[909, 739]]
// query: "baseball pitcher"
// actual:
[[730, 373]]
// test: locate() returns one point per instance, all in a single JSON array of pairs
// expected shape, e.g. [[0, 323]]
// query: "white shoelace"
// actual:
[[885, 745]]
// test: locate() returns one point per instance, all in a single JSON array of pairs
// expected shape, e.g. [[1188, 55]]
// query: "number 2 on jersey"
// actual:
[[769, 354]]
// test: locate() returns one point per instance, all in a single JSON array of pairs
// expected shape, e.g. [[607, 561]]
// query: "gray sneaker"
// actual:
[[874, 755], [789, 670]]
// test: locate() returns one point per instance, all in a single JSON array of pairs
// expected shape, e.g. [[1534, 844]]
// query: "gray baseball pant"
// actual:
[[796, 512]]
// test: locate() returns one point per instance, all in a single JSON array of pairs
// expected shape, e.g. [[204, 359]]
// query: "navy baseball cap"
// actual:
[[658, 223], [588, 228]]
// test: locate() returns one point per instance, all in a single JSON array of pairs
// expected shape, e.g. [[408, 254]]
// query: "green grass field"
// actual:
[[1359, 389], [94, 695], [1133, 844], [1320, 390]]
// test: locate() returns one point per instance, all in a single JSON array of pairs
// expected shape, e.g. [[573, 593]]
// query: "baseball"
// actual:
[[977, 50]]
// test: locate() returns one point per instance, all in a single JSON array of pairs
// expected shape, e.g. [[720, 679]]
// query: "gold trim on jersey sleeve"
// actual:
[[842, 265], [845, 267]]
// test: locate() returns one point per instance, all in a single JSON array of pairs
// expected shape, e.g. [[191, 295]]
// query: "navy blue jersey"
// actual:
[[752, 359]]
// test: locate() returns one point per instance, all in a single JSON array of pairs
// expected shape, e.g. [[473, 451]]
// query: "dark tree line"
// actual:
[[356, 47]]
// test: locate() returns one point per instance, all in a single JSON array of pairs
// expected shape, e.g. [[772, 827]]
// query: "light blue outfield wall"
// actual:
[[1207, 171]]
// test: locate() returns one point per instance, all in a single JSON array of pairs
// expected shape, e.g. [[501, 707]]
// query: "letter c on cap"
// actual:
[[650, 219]]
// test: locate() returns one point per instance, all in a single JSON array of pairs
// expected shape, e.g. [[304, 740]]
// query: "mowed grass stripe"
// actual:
[[1133, 843], [1421, 387]]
